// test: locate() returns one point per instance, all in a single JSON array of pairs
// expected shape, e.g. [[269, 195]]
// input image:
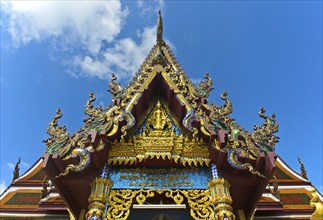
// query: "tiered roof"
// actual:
[[245, 158], [288, 194], [31, 197]]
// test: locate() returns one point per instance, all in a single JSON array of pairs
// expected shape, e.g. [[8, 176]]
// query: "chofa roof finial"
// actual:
[[160, 40], [16, 171], [303, 170]]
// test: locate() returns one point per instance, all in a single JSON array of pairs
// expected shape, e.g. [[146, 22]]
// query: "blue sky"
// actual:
[[263, 53]]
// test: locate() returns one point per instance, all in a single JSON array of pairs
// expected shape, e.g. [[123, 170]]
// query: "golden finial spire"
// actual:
[[160, 40]]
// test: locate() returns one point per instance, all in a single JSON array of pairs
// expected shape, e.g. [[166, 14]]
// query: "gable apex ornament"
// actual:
[[160, 41]]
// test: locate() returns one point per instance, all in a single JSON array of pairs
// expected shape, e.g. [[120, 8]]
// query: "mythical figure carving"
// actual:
[[220, 115], [58, 134], [264, 136], [100, 119], [205, 87], [116, 89]]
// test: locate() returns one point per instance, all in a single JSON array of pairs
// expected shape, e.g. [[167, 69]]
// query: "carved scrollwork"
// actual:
[[84, 157], [205, 87], [264, 136], [130, 122], [115, 88], [97, 116], [58, 134], [119, 204], [199, 201], [232, 158], [219, 115]]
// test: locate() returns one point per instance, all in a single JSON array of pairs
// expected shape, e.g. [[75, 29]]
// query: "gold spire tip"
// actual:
[[160, 29]]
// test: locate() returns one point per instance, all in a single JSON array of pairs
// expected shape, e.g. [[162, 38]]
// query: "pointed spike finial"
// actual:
[[160, 40]]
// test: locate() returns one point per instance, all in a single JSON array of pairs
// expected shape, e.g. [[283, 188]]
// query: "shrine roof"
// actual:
[[286, 174], [161, 77], [33, 175], [206, 132], [295, 193], [25, 197]]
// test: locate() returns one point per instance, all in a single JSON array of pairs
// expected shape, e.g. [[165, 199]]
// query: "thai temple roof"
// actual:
[[161, 119], [26, 196], [161, 77]]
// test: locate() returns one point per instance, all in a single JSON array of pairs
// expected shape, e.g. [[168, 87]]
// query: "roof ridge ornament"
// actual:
[[16, 171], [160, 41], [303, 170]]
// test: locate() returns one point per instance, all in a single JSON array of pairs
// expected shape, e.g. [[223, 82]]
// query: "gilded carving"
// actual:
[[158, 139], [205, 87], [115, 88], [221, 198], [58, 134], [100, 190], [199, 201], [317, 204], [84, 157], [264, 136], [120, 202]]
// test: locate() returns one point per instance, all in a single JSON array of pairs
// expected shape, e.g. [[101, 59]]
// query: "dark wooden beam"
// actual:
[[257, 191], [51, 171]]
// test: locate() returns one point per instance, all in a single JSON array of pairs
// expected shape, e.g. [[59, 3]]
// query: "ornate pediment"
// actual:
[[159, 137], [194, 127]]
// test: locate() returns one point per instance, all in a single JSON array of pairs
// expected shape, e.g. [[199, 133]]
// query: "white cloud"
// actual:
[[84, 22], [124, 57], [84, 35], [3, 186]]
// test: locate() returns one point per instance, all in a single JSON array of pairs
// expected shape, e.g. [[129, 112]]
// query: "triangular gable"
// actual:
[[285, 174], [25, 197], [159, 75], [208, 133], [33, 175], [162, 76]]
